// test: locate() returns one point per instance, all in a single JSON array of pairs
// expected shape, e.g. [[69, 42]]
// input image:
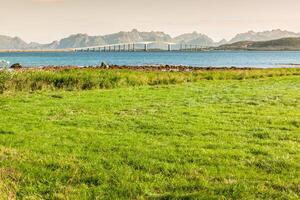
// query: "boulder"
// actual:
[[104, 65], [16, 66]]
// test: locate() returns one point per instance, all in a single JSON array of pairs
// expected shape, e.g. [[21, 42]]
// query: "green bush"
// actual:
[[3, 78], [92, 78]]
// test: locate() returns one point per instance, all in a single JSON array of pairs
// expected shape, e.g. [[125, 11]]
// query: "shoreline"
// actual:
[[162, 68], [144, 68]]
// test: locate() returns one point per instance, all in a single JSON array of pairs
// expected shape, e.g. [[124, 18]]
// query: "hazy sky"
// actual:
[[48, 20]]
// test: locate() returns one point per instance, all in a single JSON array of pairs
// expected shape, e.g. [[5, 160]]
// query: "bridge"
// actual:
[[140, 46]]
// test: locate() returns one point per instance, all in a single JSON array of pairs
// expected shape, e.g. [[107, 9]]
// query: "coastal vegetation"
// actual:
[[72, 78], [173, 133]]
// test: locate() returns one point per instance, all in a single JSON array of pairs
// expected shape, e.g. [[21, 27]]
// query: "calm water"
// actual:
[[217, 59]]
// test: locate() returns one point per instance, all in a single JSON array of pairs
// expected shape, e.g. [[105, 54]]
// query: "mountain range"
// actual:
[[283, 44], [84, 40]]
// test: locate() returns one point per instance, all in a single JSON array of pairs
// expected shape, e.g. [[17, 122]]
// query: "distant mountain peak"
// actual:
[[9, 43], [263, 35], [84, 40], [221, 42], [79, 35], [251, 32], [194, 38], [283, 44]]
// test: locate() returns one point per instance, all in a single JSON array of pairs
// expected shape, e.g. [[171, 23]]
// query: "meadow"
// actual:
[[128, 134]]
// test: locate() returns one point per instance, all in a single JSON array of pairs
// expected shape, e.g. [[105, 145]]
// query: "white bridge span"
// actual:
[[140, 46]]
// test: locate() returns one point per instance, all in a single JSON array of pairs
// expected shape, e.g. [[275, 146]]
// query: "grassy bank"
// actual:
[[217, 135], [90, 78]]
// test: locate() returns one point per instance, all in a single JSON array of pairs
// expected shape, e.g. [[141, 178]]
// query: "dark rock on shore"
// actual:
[[16, 66], [170, 68]]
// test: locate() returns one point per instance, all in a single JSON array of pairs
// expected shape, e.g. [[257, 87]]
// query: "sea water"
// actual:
[[197, 59]]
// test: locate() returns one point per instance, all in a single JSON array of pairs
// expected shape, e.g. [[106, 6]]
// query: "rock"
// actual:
[[16, 66], [104, 65]]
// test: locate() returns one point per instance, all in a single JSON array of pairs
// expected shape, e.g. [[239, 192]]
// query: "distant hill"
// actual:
[[84, 40], [194, 38], [11, 43], [222, 42], [136, 36], [79, 40], [263, 36], [284, 44]]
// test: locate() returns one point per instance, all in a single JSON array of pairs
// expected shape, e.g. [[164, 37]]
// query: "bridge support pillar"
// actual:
[[169, 47], [145, 47], [133, 47]]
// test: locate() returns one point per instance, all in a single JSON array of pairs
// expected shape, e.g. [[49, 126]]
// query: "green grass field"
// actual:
[[198, 138]]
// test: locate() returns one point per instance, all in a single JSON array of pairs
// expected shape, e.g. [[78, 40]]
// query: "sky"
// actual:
[[48, 20]]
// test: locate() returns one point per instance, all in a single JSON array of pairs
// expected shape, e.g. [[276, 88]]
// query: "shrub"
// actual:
[[88, 78], [3, 79]]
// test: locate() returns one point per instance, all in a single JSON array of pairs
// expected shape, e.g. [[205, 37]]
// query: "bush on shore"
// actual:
[[89, 78]]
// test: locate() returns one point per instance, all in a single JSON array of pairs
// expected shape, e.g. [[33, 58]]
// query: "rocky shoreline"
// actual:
[[138, 68]]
